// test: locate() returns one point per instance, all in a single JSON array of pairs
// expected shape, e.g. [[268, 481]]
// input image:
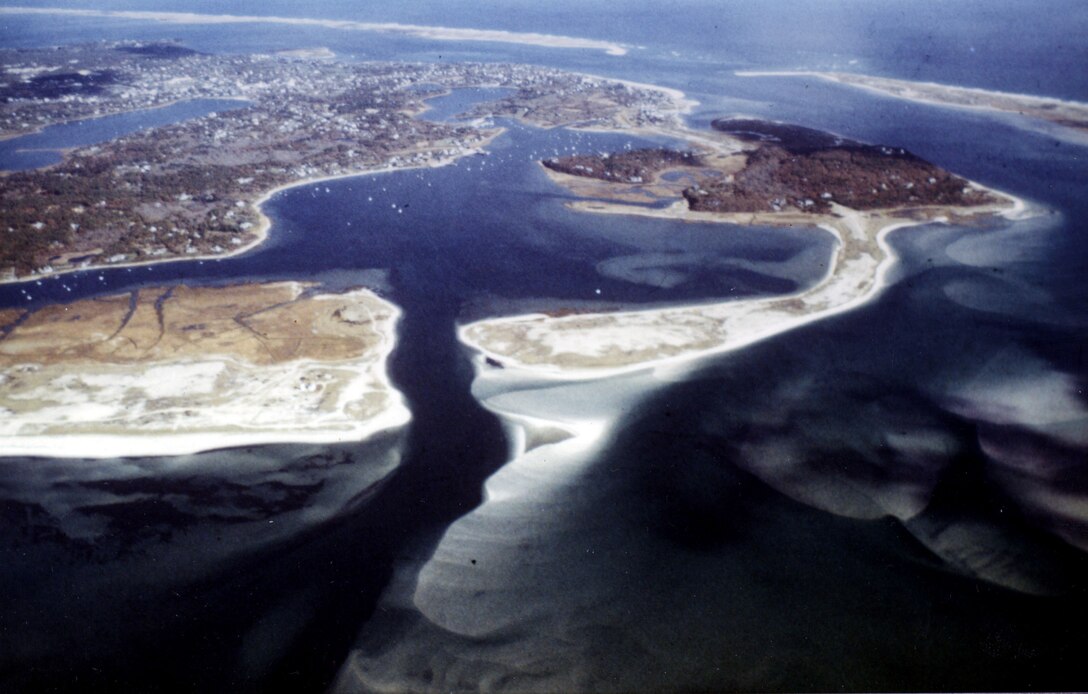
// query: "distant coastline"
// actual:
[[1070, 115], [418, 31]]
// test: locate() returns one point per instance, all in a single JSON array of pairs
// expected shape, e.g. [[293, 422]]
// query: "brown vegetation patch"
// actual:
[[800, 168], [260, 324], [634, 166]]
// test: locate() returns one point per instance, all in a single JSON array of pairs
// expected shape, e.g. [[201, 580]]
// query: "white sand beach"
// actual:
[[180, 370]]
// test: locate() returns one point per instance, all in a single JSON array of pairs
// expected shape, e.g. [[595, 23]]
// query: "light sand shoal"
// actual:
[[1071, 117], [428, 32], [953, 91]]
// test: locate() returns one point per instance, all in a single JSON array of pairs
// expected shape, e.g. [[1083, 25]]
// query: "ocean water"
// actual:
[[892, 498]]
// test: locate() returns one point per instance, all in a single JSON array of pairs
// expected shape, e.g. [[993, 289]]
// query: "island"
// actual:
[[1067, 114], [178, 369], [744, 172]]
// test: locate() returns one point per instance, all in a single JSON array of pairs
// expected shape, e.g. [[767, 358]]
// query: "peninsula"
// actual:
[[744, 172], [178, 369], [193, 189]]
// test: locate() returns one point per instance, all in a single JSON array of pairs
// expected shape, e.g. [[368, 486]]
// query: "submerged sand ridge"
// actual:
[[178, 369]]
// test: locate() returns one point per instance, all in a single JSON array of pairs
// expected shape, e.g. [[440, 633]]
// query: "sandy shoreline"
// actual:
[[163, 445], [684, 103], [589, 346], [134, 394], [580, 347], [427, 32], [745, 321], [533, 398], [841, 78]]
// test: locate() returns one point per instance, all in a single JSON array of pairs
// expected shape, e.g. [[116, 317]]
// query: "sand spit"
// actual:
[[595, 345], [425, 32], [1072, 115], [177, 370], [461, 642]]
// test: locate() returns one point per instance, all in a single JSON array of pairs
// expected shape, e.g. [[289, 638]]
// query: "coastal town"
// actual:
[[313, 363], [192, 189]]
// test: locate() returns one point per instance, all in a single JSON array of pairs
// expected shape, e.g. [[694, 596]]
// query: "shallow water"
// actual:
[[876, 500]]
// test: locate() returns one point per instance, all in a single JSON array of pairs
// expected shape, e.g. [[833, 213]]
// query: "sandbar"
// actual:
[[584, 346], [1071, 115], [743, 181], [427, 32]]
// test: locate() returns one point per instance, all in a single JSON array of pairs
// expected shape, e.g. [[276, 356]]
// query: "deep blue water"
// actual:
[[800, 572]]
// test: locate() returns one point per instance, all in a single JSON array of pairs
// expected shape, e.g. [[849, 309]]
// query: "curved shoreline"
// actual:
[[419, 31], [261, 231], [739, 323], [97, 446]]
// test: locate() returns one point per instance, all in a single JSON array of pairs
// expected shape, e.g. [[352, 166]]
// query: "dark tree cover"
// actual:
[[190, 188], [862, 177], [165, 51], [792, 138], [174, 192], [58, 84]]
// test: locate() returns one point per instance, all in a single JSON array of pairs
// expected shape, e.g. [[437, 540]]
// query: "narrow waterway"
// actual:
[[486, 235]]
